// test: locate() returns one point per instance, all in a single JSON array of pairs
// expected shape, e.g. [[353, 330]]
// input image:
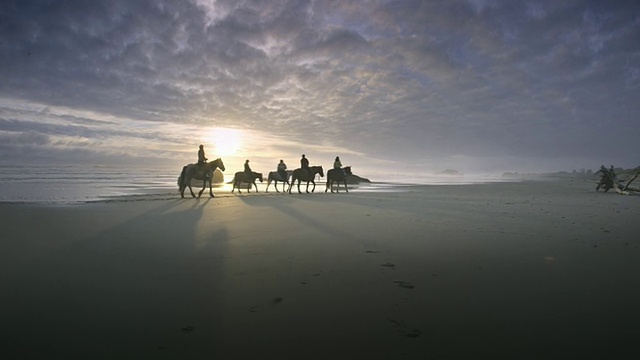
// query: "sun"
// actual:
[[223, 141]]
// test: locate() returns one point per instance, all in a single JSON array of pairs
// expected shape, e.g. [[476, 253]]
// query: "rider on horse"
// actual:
[[247, 171], [304, 163], [201, 158], [282, 170], [337, 165]]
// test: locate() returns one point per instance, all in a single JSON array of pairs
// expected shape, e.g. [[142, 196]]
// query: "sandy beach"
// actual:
[[505, 270]]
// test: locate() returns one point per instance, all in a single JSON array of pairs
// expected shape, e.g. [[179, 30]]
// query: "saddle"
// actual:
[[247, 178], [202, 170]]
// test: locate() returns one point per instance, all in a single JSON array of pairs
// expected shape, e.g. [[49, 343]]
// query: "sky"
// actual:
[[392, 87]]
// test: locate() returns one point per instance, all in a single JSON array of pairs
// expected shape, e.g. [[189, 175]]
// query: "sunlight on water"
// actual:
[[81, 183], [68, 184]]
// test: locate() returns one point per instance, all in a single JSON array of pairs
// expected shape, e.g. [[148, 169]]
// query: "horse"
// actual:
[[275, 177], [241, 177], [338, 176], [307, 175], [202, 172]]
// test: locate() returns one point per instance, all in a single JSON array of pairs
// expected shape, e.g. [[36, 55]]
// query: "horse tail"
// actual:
[[181, 179]]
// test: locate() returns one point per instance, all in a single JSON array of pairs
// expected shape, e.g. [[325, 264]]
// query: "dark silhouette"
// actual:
[[282, 169], [248, 178], [202, 172], [202, 159], [336, 163], [275, 176], [307, 175], [304, 162], [338, 176]]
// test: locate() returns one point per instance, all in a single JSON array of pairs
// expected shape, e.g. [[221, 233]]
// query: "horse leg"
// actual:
[[345, 186], [190, 189], [204, 185], [255, 185], [182, 188], [299, 180], [314, 185], [211, 189]]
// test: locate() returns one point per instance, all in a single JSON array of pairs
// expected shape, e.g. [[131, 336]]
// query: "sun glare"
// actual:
[[223, 141]]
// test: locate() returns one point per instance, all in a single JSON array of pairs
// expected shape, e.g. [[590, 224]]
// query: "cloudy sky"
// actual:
[[475, 85]]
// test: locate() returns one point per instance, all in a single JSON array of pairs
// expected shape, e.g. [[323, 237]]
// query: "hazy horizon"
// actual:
[[392, 87]]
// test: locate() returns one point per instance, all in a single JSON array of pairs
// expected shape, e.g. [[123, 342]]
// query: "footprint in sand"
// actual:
[[404, 284], [389, 265], [404, 330], [188, 328], [304, 280]]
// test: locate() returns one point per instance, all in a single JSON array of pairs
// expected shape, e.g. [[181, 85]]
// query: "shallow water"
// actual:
[[80, 183], [70, 184]]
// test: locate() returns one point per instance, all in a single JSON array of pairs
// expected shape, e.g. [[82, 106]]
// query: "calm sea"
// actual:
[[65, 184], [71, 184]]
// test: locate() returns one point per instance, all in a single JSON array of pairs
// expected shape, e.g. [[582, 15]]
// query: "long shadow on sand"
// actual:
[[284, 205], [132, 291]]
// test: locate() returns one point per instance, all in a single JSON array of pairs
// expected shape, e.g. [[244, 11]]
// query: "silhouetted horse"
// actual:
[[307, 175], [275, 177], [338, 176], [241, 177], [199, 172]]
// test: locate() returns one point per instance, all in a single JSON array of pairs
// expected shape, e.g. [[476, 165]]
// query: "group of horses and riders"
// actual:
[[204, 170]]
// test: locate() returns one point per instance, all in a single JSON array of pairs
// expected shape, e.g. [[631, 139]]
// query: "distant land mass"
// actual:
[[450, 172], [355, 179], [573, 174]]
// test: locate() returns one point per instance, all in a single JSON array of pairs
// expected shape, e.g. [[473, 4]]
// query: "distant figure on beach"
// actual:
[[337, 165], [282, 170], [247, 169], [201, 157]]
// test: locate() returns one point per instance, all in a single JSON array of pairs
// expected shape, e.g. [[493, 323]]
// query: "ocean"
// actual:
[[76, 183], [69, 184]]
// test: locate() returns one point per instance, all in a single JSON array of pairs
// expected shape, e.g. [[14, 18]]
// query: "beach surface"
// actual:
[[547, 269]]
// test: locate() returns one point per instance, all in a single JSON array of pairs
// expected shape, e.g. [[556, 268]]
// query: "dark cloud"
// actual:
[[399, 80]]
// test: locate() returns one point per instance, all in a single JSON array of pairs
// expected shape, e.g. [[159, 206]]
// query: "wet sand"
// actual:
[[505, 270]]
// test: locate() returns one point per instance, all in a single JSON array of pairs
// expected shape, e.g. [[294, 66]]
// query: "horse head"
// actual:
[[259, 176], [347, 170], [218, 162], [320, 171]]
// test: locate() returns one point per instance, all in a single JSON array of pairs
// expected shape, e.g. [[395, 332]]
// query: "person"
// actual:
[[201, 158], [282, 170], [336, 163], [247, 169], [304, 162]]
